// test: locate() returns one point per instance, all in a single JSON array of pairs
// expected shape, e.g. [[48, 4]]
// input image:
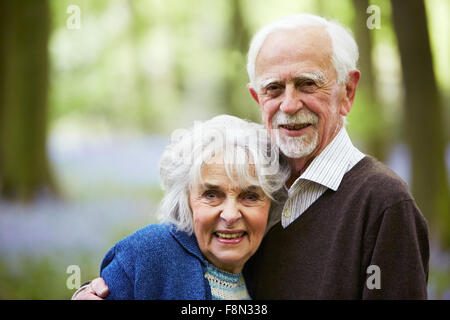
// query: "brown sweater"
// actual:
[[371, 219]]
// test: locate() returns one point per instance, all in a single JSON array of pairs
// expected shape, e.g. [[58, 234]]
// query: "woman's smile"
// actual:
[[228, 237]]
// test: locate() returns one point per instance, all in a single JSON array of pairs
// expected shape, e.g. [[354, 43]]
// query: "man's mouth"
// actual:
[[295, 126]]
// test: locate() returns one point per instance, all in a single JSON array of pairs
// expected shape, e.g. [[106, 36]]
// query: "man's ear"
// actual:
[[253, 93], [350, 91]]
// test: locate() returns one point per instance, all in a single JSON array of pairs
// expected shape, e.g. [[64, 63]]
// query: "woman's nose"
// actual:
[[230, 213], [291, 102]]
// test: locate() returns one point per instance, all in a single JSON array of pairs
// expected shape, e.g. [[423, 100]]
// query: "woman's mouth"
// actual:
[[230, 237]]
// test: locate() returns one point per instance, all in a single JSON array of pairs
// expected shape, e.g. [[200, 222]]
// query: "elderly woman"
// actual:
[[223, 180]]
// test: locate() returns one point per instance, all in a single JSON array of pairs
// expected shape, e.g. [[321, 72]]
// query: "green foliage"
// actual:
[[45, 277], [158, 65], [439, 283]]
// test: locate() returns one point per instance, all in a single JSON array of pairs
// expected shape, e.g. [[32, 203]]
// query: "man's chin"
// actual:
[[294, 148], [294, 155]]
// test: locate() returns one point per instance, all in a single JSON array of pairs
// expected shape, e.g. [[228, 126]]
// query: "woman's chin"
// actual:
[[230, 261]]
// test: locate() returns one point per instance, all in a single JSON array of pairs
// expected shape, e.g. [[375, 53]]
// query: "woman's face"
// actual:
[[229, 220]]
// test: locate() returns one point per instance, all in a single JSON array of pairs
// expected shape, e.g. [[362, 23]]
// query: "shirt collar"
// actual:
[[329, 167]]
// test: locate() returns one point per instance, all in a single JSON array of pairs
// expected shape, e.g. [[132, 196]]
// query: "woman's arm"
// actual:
[[120, 285]]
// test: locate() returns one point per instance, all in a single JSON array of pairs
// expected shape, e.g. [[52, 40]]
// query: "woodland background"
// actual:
[[87, 106]]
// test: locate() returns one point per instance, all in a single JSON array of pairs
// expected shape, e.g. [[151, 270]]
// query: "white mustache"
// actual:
[[302, 116]]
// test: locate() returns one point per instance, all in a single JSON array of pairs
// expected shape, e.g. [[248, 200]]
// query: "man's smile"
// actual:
[[294, 129]]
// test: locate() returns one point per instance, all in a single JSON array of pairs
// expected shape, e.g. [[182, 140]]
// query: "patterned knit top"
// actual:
[[225, 285]]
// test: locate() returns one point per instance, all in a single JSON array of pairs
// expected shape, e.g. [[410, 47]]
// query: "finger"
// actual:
[[87, 295], [99, 287]]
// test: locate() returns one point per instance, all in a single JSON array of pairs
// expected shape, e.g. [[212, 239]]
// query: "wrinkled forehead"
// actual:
[[216, 171], [306, 47], [218, 168]]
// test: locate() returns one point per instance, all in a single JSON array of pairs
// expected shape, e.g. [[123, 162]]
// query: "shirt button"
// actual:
[[287, 213]]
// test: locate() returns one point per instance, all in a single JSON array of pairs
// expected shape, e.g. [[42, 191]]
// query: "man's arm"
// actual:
[[400, 250]]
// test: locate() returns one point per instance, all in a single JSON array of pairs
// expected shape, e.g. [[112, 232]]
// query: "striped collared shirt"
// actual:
[[325, 172]]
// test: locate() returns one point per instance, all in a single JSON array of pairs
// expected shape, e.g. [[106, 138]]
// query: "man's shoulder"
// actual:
[[379, 191], [377, 179]]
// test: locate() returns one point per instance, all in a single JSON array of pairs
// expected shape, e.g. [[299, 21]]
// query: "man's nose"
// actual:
[[231, 212], [292, 100]]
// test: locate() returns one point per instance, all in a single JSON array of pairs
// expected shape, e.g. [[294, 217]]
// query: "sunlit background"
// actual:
[[91, 90]]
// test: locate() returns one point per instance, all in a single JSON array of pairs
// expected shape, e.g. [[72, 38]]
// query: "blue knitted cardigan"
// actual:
[[156, 262]]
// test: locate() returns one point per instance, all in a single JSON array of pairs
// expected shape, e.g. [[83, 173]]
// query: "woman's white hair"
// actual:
[[345, 50], [243, 147]]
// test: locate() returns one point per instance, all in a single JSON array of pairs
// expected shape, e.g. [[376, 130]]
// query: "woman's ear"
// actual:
[[350, 91]]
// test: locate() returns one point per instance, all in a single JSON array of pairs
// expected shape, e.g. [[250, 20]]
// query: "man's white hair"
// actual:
[[243, 147], [345, 50]]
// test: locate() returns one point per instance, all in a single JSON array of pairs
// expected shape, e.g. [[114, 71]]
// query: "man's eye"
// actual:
[[308, 86], [273, 89]]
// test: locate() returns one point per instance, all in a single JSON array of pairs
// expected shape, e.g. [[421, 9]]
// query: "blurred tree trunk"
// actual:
[[3, 39], [238, 40], [423, 116], [140, 102], [377, 143], [240, 37], [24, 170]]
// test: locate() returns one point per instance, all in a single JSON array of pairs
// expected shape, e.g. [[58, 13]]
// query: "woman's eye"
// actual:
[[210, 195], [213, 196], [251, 196]]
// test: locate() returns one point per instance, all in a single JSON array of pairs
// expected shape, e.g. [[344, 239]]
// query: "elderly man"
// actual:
[[350, 228]]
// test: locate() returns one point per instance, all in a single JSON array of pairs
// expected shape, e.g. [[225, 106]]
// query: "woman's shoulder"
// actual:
[[152, 231], [151, 237], [146, 245], [145, 252], [151, 263]]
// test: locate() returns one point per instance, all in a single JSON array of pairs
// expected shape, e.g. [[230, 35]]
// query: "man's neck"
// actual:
[[298, 166]]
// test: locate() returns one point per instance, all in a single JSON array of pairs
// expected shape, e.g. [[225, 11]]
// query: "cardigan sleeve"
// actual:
[[399, 254], [115, 276]]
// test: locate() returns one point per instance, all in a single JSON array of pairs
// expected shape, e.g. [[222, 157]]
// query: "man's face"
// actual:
[[302, 105]]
